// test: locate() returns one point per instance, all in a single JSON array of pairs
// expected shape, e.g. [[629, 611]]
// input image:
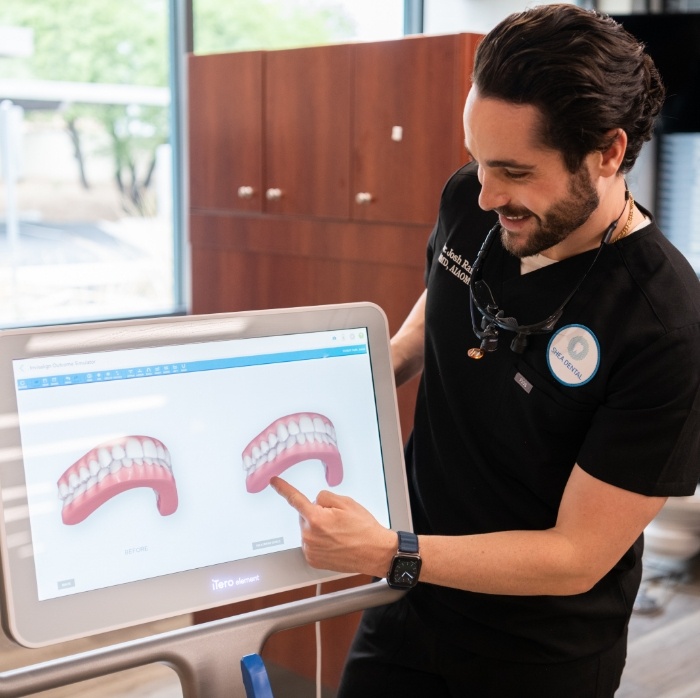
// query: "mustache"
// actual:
[[512, 212]]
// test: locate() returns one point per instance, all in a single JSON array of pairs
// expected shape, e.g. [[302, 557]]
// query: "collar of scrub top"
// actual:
[[494, 318]]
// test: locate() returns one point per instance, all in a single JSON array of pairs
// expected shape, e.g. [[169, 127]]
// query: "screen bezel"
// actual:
[[35, 623]]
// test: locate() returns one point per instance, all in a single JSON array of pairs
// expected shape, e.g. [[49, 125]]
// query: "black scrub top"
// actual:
[[613, 388]]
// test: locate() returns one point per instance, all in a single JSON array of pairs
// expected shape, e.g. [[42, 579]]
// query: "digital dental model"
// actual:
[[114, 467], [290, 440]]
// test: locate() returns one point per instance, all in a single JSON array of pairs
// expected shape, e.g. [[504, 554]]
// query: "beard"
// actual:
[[559, 221]]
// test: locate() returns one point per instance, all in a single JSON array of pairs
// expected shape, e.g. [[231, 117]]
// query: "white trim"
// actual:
[[52, 91]]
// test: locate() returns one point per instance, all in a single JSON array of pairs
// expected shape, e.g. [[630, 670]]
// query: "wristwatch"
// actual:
[[405, 565]]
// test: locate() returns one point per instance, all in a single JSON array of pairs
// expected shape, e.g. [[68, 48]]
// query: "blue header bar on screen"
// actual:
[[169, 369]]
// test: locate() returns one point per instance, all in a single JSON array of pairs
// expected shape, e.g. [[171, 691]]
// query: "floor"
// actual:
[[663, 659], [663, 656]]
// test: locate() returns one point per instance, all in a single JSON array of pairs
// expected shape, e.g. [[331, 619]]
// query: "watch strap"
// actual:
[[408, 542]]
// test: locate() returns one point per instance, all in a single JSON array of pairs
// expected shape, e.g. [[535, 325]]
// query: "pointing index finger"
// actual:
[[294, 497]]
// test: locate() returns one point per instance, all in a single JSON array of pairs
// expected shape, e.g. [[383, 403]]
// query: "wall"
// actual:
[[482, 15], [479, 16]]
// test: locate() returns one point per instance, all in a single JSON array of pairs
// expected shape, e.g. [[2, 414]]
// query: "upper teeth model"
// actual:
[[113, 467], [289, 440]]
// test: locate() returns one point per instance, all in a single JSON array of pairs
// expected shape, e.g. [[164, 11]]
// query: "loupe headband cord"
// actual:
[[547, 326]]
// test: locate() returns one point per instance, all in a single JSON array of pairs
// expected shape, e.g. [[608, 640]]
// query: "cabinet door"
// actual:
[[225, 131], [307, 131], [408, 135]]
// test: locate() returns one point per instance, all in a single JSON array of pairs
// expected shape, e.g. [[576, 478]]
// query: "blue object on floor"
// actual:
[[255, 679]]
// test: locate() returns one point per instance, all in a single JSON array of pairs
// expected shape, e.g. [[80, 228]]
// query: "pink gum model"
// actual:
[[290, 440], [114, 467]]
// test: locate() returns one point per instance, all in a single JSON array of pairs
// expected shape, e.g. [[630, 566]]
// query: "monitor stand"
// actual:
[[206, 657]]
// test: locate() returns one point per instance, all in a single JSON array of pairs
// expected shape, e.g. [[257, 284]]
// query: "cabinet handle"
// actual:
[[363, 197], [273, 194], [245, 192]]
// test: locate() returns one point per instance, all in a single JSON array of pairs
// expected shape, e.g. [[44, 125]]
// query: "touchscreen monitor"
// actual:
[[135, 459]]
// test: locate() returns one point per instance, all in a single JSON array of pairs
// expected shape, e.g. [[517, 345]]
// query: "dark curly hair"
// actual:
[[583, 71]]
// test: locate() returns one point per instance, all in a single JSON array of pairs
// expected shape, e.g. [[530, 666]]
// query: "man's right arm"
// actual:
[[407, 345]]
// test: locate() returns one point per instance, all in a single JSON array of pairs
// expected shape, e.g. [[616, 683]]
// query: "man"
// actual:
[[558, 405]]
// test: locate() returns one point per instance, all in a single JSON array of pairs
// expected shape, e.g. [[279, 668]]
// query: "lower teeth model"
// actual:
[[114, 467], [290, 440]]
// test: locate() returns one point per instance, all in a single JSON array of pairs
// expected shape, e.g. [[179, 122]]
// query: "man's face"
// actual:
[[539, 202]]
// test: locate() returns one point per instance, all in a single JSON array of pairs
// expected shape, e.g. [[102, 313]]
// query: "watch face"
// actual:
[[404, 571]]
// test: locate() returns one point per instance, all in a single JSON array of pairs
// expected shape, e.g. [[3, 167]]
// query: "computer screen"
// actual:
[[136, 459]]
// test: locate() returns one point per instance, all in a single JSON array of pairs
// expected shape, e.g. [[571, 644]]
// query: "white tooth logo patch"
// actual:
[[573, 355]]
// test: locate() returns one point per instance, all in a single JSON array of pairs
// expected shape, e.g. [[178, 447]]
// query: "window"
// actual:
[[257, 24], [86, 203], [90, 223]]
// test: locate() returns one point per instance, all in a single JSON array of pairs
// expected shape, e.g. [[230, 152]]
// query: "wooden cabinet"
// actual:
[[280, 261], [315, 178], [407, 133], [307, 111], [225, 128], [269, 131], [252, 263], [365, 132]]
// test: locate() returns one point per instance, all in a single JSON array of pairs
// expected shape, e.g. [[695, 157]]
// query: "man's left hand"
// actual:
[[338, 533]]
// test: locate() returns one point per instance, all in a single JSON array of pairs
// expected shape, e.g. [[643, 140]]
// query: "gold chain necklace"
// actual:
[[628, 225]]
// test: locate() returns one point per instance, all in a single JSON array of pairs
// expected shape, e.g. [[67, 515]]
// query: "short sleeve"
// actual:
[[646, 435]]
